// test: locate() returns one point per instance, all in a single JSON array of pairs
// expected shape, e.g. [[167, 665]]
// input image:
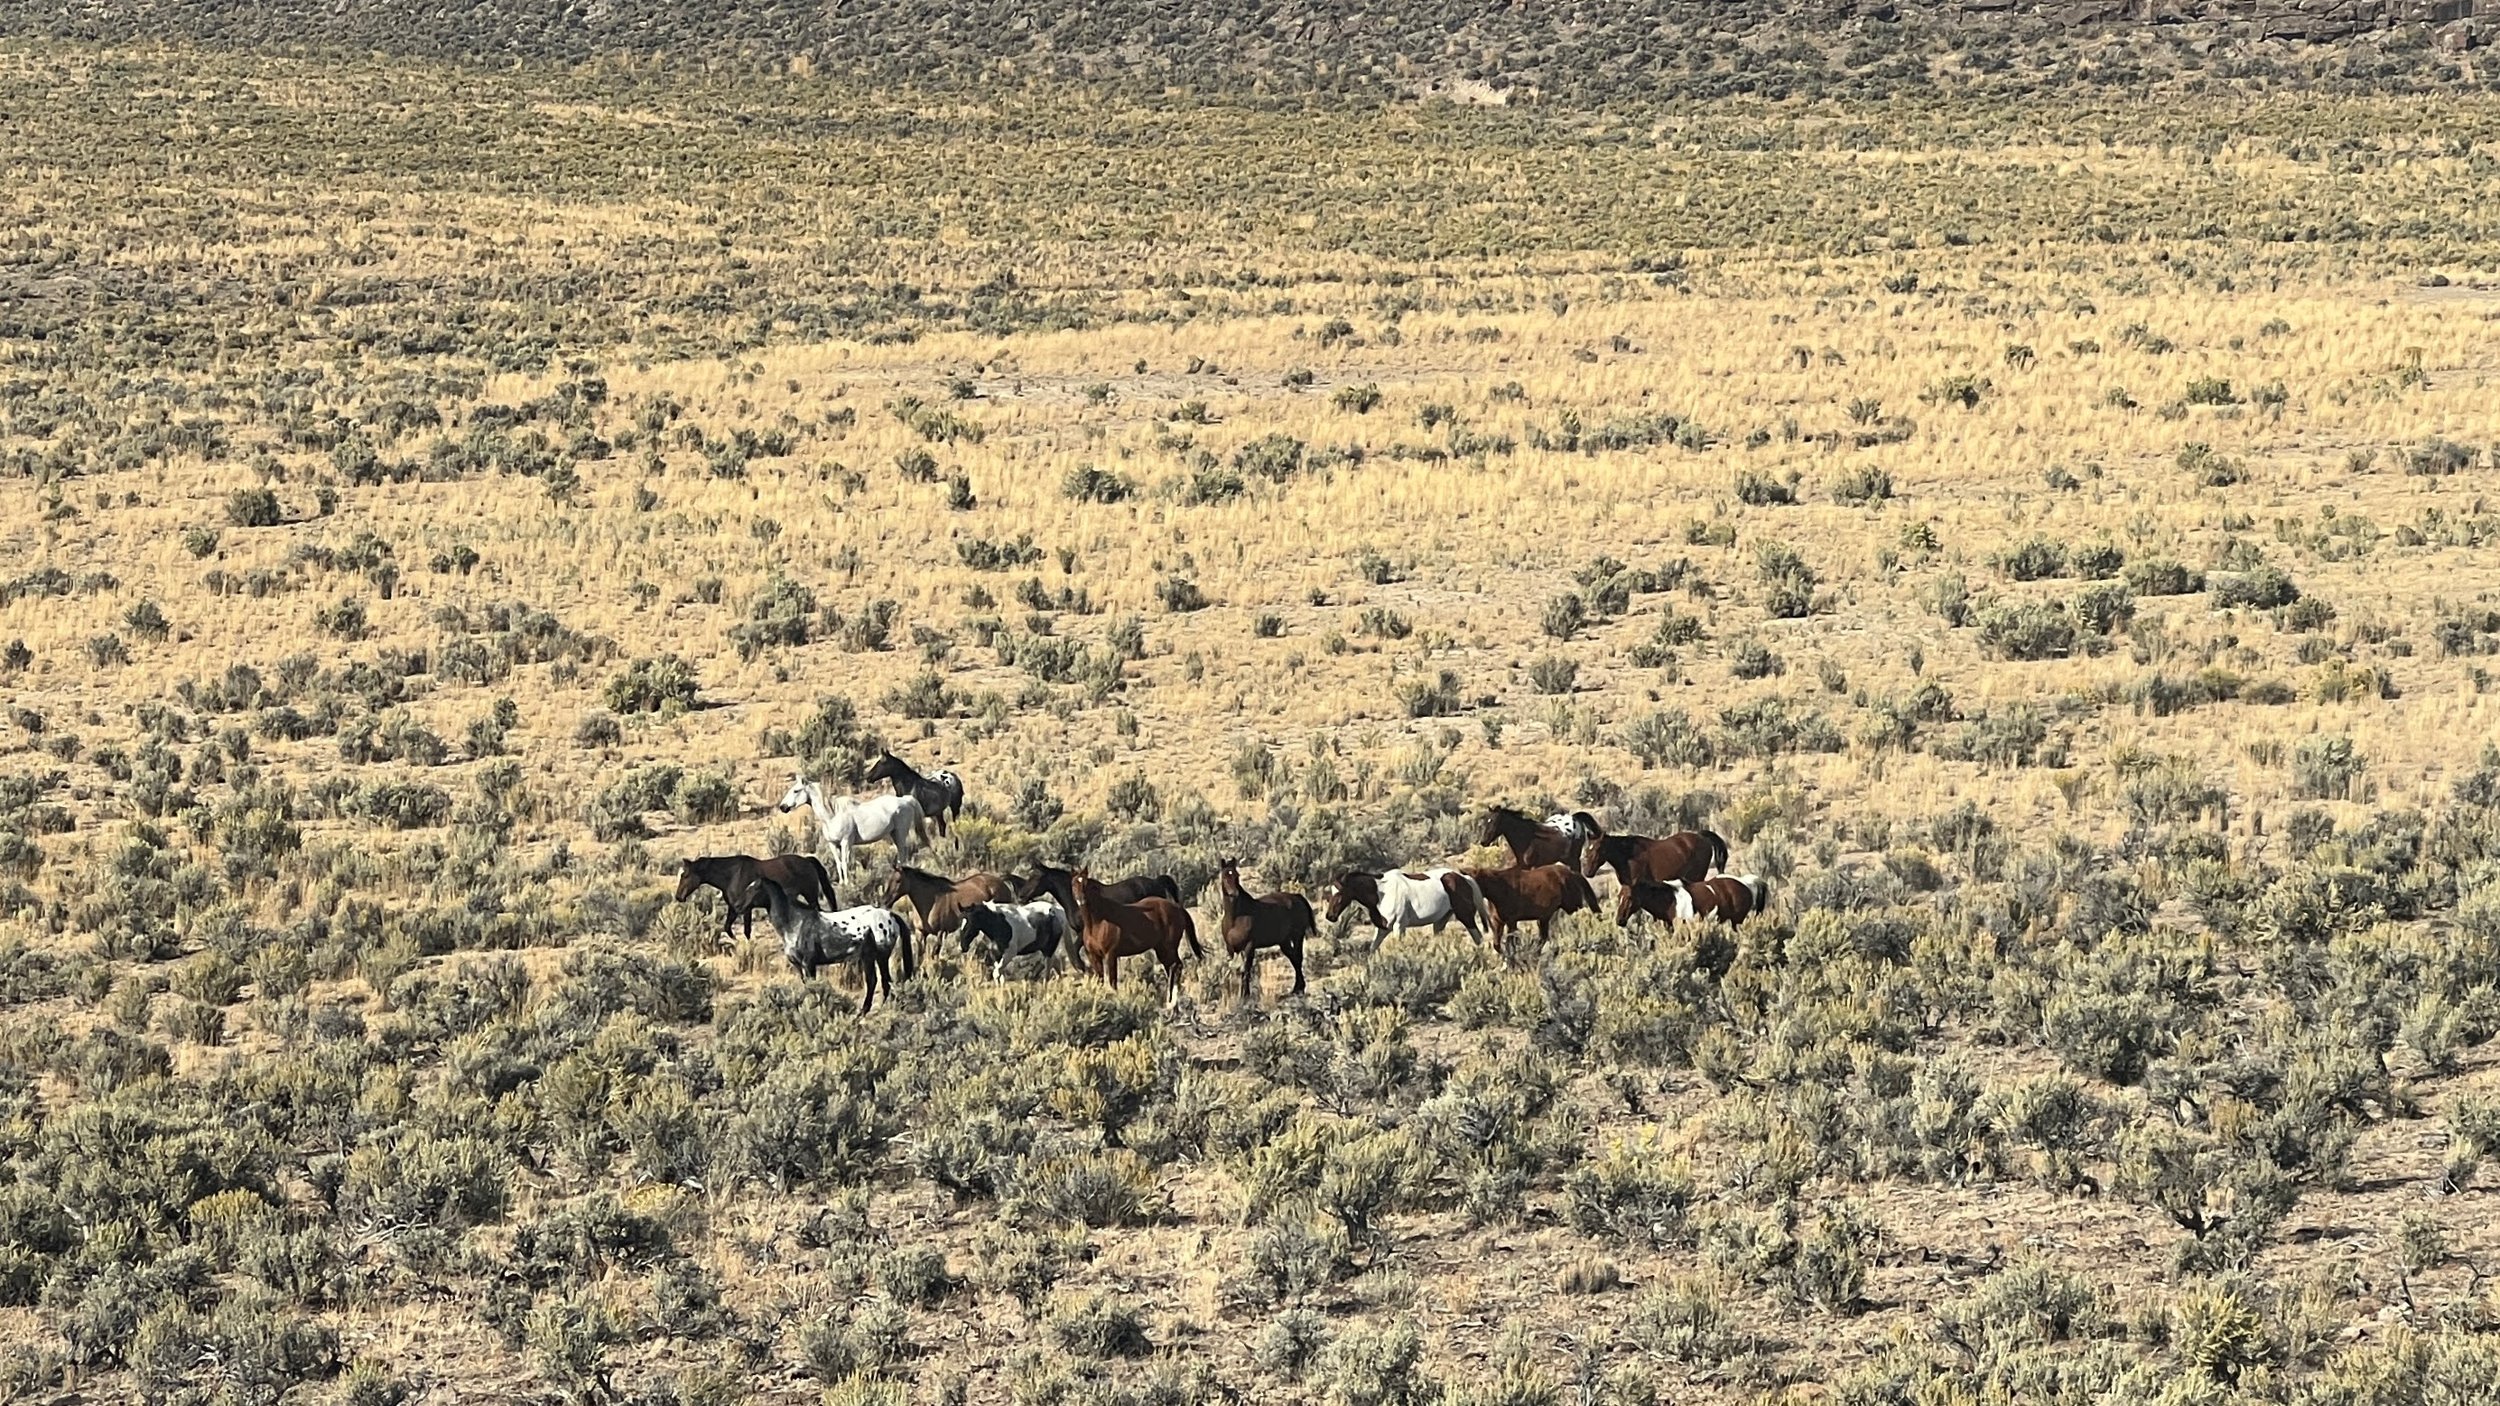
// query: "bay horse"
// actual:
[[1279, 920], [940, 793], [1533, 843], [1532, 893], [1060, 884], [1396, 901], [848, 821], [1017, 930], [735, 875], [1730, 899], [1113, 930], [1687, 856], [940, 900], [813, 938]]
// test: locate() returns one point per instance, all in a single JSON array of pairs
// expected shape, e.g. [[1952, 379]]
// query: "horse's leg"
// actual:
[[1249, 971], [1293, 954]]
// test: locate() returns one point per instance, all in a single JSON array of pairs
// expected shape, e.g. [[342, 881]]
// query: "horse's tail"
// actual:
[[1189, 930], [1758, 886], [911, 954], [1308, 915], [1585, 891], [1479, 907], [1718, 850], [815, 868]]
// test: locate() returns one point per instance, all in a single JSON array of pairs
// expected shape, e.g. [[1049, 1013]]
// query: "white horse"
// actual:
[[1396, 901], [848, 821]]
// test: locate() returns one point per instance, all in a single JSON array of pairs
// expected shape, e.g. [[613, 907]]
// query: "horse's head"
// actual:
[[886, 767], [894, 885], [1228, 873], [687, 880], [801, 792], [1355, 888]]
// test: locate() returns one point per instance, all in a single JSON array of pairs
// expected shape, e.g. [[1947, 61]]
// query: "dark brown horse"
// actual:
[[940, 900], [1685, 857], [802, 876], [1533, 842], [1279, 920], [1532, 894], [1731, 900], [1060, 884], [1113, 930]]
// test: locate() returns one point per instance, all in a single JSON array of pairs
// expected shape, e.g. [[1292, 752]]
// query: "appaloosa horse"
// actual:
[[813, 938], [735, 875], [940, 793], [1279, 920]]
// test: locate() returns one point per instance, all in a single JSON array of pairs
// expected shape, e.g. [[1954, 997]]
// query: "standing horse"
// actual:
[[1685, 857], [1278, 920], [1532, 894], [1396, 901], [1113, 930], [1061, 884], [813, 938], [1731, 900], [940, 793], [1532, 844], [847, 821], [943, 901], [735, 875], [1017, 930]]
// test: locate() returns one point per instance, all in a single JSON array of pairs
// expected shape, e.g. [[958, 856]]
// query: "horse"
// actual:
[[940, 793], [812, 938], [942, 901], [735, 875], [1729, 899], [848, 821], [1687, 857], [1396, 901], [1113, 930], [1532, 844], [1017, 930], [1060, 884], [1279, 920], [1532, 893]]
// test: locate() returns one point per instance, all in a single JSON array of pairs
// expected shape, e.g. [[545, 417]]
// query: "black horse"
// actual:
[[1061, 884], [940, 793], [737, 875]]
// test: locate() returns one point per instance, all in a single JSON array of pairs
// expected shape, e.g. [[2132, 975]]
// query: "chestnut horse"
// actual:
[[1532, 894], [1060, 884], [1279, 920], [941, 900], [1731, 900], [1113, 930], [1686, 857], [1531, 843], [736, 876]]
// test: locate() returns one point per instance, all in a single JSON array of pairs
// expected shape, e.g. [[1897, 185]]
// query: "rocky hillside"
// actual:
[[1465, 50]]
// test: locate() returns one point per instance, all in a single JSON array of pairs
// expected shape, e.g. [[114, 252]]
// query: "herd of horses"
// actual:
[[1052, 911]]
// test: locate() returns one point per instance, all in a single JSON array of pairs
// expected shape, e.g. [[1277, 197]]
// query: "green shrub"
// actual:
[[253, 507], [652, 685]]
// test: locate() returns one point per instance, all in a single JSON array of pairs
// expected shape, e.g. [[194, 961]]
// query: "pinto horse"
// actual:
[[1531, 843], [1536, 894], [736, 876], [1731, 900], [1279, 920], [1113, 930], [813, 938], [1685, 857], [1017, 930], [940, 793], [1397, 901], [847, 821], [940, 900], [1060, 884]]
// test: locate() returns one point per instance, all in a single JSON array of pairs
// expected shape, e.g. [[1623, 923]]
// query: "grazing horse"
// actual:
[[735, 875], [1017, 930], [848, 821], [812, 938], [1684, 857], [1278, 920], [940, 793], [1532, 844], [942, 901], [1113, 930], [1061, 884], [1731, 900], [1396, 901], [1532, 894]]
